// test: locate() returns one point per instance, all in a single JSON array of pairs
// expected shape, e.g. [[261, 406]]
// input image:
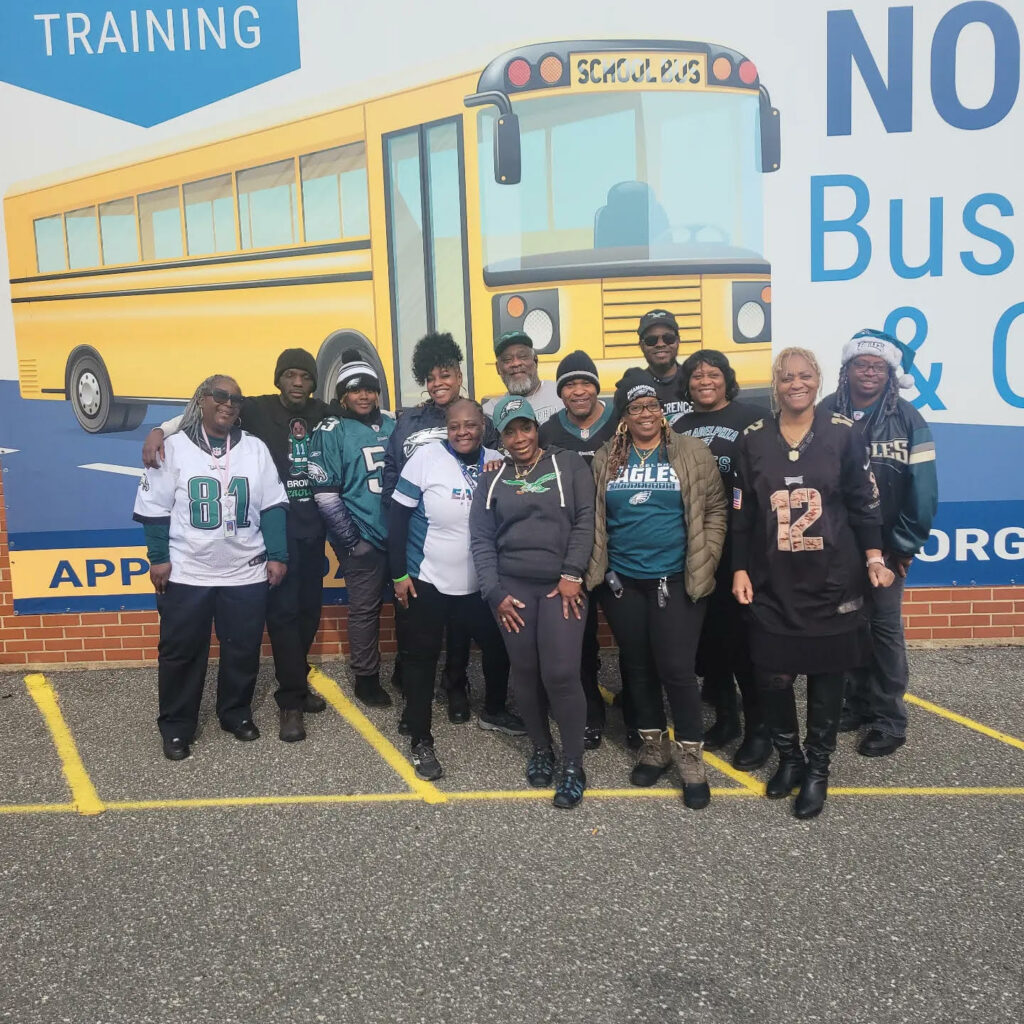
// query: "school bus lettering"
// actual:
[[654, 69]]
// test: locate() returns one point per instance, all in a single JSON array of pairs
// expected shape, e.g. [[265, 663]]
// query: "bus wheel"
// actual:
[[93, 401], [329, 363]]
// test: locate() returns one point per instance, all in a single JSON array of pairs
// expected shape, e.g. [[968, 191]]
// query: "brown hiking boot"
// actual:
[[654, 760], [689, 758]]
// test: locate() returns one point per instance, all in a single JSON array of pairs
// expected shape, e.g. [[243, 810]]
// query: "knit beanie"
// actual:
[[295, 359], [635, 384], [900, 357], [576, 366], [356, 373]]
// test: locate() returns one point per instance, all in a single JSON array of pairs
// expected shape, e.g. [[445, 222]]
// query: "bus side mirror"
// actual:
[[771, 135], [507, 155]]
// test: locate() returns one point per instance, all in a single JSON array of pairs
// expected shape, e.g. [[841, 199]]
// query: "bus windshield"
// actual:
[[626, 178]]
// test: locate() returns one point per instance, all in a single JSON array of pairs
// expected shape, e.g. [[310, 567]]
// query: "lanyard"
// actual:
[[470, 478], [216, 461]]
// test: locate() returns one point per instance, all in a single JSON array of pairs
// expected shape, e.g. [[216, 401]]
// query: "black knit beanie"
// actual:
[[295, 359], [576, 366], [635, 384]]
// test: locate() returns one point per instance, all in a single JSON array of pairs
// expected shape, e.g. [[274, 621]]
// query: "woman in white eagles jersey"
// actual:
[[214, 518]]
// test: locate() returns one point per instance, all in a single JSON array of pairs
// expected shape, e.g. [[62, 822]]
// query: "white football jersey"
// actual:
[[213, 505]]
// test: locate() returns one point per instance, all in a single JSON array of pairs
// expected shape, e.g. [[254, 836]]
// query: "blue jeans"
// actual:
[[875, 692]]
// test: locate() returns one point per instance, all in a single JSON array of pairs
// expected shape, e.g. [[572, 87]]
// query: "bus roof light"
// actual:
[[515, 307], [722, 68], [518, 72], [551, 69], [766, 294], [748, 72]]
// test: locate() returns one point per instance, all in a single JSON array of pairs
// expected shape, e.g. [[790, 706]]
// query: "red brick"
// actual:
[[11, 658], [953, 633], [991, 632], [44, 633], [138, 617], [29, 620], [947, 608], [101, 619], [122, 630], [74, 644], [101, 643], [84, 630], [918, 634], [916, 594], [88, 656], [991, 606], [923, 621], [1010, 593], [62, 620], [12, 634], [970, 620], [1014, 619]]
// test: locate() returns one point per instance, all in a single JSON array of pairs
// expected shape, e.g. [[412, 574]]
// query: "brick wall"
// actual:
[[993, 615]]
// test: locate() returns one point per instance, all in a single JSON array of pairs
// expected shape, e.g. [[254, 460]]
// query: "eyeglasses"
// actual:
[[638, 408], [222, 397], [651, 340], [872, 369]]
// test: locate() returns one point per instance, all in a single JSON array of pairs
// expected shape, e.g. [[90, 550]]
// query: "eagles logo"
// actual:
[[514, 405], [639, 499], [316, 473]]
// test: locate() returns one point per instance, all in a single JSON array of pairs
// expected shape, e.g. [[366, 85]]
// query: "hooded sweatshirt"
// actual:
[[532, 529]]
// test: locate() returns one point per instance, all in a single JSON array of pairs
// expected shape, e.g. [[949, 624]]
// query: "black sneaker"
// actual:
[[569, 791], [592, 737], [425, 762], [502, 721], [313, 703], [849, 719], [177, 749], [540, 769], [403, 726], [371, 693], [458, 706]]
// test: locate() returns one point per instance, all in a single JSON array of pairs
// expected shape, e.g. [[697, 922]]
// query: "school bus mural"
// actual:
[[567, 189]]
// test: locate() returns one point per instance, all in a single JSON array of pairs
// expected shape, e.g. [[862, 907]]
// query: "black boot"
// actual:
[[756, 747], [727, 713], [458, 705], [371, 693], [824, 704], [779, 707]]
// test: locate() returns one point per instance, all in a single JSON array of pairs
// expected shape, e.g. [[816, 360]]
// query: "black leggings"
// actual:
[[659, 644], [421, 632], [545, 656]]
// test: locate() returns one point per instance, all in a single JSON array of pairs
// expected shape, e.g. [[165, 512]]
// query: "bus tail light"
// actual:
[[748, 72], [751, 312], [518, 72], [536, 313]]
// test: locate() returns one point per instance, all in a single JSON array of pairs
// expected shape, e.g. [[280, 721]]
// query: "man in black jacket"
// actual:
[[902, 452], [284, 422], [659, 342]]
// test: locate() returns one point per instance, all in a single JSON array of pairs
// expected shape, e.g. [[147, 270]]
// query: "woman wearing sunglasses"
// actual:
[[215, 523], [660, 524]]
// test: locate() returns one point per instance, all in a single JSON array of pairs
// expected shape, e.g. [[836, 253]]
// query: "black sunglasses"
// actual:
[[651, 340], [222, 397]]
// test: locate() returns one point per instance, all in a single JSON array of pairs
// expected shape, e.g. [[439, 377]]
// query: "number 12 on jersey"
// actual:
[[791, 534]]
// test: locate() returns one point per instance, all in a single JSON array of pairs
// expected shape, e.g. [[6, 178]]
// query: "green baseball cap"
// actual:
[[509, 408], [503, 341]]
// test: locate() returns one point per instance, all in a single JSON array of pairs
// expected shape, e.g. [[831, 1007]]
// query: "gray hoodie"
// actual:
[[533, 529]]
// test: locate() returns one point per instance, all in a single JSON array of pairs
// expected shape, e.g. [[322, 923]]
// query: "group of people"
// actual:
[[719, 539]]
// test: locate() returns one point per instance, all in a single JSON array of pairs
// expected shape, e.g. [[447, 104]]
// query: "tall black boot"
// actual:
[[727, 711], [779, 707], [756, 747], [824, 704]]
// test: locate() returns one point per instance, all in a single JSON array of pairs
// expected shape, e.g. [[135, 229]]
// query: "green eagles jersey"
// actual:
[[347, 456]]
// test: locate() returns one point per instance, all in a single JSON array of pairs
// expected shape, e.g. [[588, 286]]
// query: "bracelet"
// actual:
[[401, 579], [875, 561], [572, 579]]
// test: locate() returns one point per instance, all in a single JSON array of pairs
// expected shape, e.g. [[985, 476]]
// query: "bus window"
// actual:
[[334, 193], [50, 252], [267, 206], [117, 232], [160, 225], [83, 238], [210, 216]]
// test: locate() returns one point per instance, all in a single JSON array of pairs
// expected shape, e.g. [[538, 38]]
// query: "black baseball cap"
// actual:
[[656, 318]]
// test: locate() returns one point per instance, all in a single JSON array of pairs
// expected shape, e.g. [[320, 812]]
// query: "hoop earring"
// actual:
[[621, 428], [664, 423]]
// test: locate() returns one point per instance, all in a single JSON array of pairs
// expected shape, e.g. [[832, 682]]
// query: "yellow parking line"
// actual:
[[926, 790], [38, 809], [942, 712], [753, 785], [331, 692], [260, 801], [83, 793], [600, 794]]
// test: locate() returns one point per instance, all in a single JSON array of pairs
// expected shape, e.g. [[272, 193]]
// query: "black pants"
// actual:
[[590, 664], [658, 648], [545, 657], [293, 617], [724, 654], [421, 632], [186, 615], [365, 578]]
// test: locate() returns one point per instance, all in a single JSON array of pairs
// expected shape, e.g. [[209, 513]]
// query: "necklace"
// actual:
[[522, 474], [643, 454], [798, 447]]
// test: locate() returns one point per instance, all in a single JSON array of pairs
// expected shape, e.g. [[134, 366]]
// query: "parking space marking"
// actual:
[[83, 794], [753, 785], [331, 692], [970, 723], [926, 790], [37, 808]]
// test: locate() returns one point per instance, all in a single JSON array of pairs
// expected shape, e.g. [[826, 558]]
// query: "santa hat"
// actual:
[[900, 357]]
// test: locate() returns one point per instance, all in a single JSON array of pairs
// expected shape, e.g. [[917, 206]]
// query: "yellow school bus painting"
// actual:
[[566, 189]]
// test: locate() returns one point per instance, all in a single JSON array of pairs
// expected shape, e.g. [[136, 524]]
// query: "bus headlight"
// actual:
[[751, 312], [536, 313]]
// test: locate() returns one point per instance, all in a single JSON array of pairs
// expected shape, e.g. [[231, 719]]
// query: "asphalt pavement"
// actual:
[[266, 882]]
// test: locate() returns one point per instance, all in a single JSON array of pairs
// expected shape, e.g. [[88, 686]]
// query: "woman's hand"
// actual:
[[742, 588], [403, 591], [508, 615], [572, 597], [880, 575], [159, 575], [492, 465], [276, 572], [153, 450]]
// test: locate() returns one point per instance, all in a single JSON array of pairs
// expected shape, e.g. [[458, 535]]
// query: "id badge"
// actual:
[[229, 505]]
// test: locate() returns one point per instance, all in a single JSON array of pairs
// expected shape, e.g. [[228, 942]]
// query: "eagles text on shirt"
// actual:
[[657, 478]]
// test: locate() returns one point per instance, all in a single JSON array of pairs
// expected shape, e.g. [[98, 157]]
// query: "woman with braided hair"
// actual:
[[660, 526]]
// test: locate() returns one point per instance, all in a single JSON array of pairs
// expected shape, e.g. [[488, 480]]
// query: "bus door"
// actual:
[[424, 176]]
